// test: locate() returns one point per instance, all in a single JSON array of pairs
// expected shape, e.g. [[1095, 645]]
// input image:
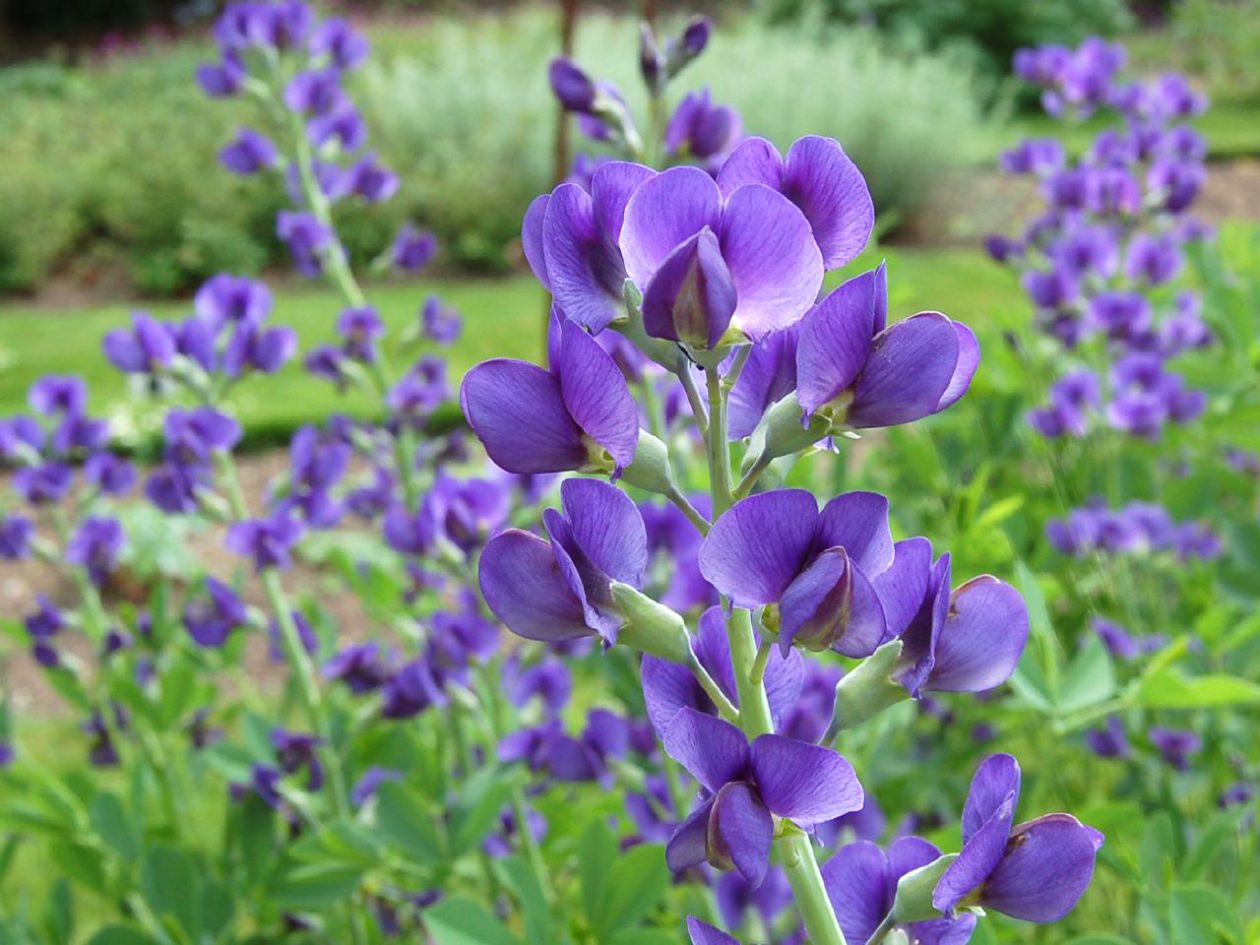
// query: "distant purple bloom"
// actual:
[[1176, 746], [549, 681], [95, 546], [314, 92], [194, 436], [345, 47], [269, 541], [1152, 259], [16, 532], [298, 750], [109, 474], [702, 130], [221, 79], [413, 249], [343, 124], [147, 347], [440, 323], [253, 347], [248, 153], [560, 590], [212, 618], [360, 666], [58, 395], [43, 484], [361, 330], [371, 180], [365, 788], [420, 391], [1110, 741], [745, 787], [307, 238], [571, 86], [1036, 871]]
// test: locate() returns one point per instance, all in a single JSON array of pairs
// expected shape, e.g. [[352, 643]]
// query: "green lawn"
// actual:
[[502, 317]]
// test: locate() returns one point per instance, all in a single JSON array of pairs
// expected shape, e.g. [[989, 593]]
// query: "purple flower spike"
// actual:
[[968, 641], [861, 881], [570, 239], [578, 415], [763, 240], [813, 569], [560, 590], [745, 787], [1035, 871], [821, 180]]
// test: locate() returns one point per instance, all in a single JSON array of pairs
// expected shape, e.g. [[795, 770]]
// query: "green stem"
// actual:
[[689, 510], [718, 448]]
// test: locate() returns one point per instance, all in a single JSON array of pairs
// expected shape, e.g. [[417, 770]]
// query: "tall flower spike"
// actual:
[[821, 180], [579, 415], [683, 240], [1035, 871], [561, 589], [776, 548]]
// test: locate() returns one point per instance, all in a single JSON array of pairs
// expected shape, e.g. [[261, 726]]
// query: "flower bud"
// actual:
[[869, 689], [691, 298], [572, 86], [915, 889], [650, 469], [651, 60], [651, 627]]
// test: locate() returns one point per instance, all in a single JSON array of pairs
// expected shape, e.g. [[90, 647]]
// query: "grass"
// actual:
[[502, 317]]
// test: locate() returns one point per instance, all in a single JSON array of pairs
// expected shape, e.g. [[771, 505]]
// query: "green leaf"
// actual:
[[315, 885], [109, 819], [59, 916], [1171, 689], [120, 935], [1100, 938], [476, 813], [597, 851], [404, 824], [170, 880], [461, 921], [643, 937], [257, 836], [638, 882], [1090, 679], [518, 876], [1199, 914]]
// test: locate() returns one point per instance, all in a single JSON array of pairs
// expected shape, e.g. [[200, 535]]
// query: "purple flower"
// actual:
[[307, 238], [298, 750], [21, 439], [1152, 259], [365, 788], [549, 681], [173, 487], [413, 249], [44, 484], [210, 619], [571, 86], [371, 180], [109, 474], [570, 238], [440, 323], [226, 299], [700, 129], [736, 897], [336, 39], [561, 590], [821, 180], [1035, 871], [58, 395], [95, 546], [421, 390], [147, 347], [861, 881], [328, 362], [361, 330], [1038, 156], [466, 512], [858, 372], [314, 92], [1109, 741], [411, 690], [702, 933], [1175, 746], [669, 688], [813, 569], [261, 349], [248, 153], [194, 436], [16, 532], [709, 258], [342, 124], [269, 541], [360, 666], [221, 79], [578, 415], [969, 640], [746, 787]]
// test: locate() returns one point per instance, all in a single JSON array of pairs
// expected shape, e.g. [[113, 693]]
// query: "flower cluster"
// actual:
[[1100, 263], [1137, 528]]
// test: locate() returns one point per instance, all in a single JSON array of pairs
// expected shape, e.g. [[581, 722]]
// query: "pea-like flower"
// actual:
[[570, 238], [858, 371], [813, 568], [561, 589], [1035, 871], [713, 267], [746, 787], [861, 881], [819, 178], [578, 415]]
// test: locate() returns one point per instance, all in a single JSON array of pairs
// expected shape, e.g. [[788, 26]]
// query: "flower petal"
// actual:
[[776, 265], [689, 844], [668, 688], [918, 653], [909, 853], [908, 371], [904, 586], [741, 832], [755, 161], [612, 185], [832, 605], [663, 212], [769, 375], [692, 296], [517, 412], [714, 751], [532, 238], [982, 639], [859, 888], [1048, 865], [704, 934], [596, 395], [828, 187], [583, 267], [608, 527], [755, 550], [836, 337], [995, 782], [858, 523], [804, 783], [521, 585], [965, 370]]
